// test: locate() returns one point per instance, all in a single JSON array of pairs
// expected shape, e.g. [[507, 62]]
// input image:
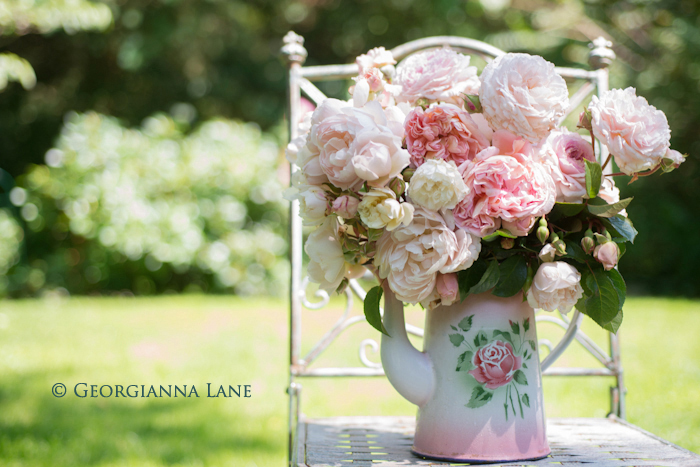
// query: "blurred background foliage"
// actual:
[[159, 86]]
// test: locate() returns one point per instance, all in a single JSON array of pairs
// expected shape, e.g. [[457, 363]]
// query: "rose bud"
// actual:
[[507, 243], [584, 120], [588, 242], [345, 206], [607, 254], [672, 160], [547, 253], [398, 186], [542, 231], [408, 173], [448, 288], [560, 246]]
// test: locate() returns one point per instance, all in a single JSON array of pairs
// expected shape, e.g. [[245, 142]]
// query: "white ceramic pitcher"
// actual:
[[477, 384]]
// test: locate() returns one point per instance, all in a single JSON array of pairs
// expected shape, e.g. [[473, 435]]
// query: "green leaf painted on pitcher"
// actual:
[[480, 397], [456, 339]]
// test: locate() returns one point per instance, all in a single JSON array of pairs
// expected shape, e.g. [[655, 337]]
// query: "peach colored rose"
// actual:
[[439, 75], [607, 254], [448, 288], [523, 94], [411, 256], [563, 153], [507, 188], [442, 131], [636, 133], [495, 364], [557, 285]]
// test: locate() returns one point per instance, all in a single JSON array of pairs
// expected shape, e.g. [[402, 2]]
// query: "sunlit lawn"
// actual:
[[195, 340]]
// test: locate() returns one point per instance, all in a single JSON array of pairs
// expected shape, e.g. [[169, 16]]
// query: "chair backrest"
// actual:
[[301, 80]]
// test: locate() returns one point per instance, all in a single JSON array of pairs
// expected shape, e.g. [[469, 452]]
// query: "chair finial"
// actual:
[[293, 49], [602, 54]]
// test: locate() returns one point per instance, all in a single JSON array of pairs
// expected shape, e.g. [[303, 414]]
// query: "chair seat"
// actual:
[[365, 441]]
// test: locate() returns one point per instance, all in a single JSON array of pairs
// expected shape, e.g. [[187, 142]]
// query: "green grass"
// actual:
[[196, 340]]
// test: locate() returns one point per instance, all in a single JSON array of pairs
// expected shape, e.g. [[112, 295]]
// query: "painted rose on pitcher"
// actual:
[[495, 364]]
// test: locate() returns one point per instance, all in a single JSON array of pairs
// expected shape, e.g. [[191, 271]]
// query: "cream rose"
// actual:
[[379, 208], [327, 264], [557, 285], [411, 256], [523, 94], [636, 133], [437, 185], [439, 75]]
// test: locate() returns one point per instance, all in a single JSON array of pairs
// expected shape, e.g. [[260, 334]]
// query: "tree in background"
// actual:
[[220, 57]]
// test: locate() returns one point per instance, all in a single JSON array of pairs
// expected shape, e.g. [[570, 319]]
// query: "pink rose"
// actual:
[[345, 206], [495, 364], [442, 132], [636, 133], [439, 75], [523, 94], [508, 188], [563, 152], [448, 288], [607, 254]]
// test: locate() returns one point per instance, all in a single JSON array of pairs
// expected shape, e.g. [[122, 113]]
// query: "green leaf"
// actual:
[[526, 324], [619, 283], [526, 400], [372, 313], [454, 328], [515, 327], [456, 339], [566, 209], [480, 339], [575, 251], [498, 233], [374, 234], [488, 281], [620, 226], [512, 275], [505, 335], [614, 325], [608, 210], [533, 344], [525, 365], [464, 362], [470, 277], [480, 397], [594, 174], [520, 378], [466, 323], [604, 304]]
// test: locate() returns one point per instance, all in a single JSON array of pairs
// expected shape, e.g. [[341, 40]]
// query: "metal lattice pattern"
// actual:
[[366, 441]]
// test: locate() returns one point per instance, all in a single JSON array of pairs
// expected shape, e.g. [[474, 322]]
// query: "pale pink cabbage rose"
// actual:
[[495, 364], [448, 288], [439, 75], [607, 254], [563, 153], [636, 133], [354, 145], [507, 188], [345, 206], [411, 256], [556, 286], [375, 58], [442, 131], [523, 94]]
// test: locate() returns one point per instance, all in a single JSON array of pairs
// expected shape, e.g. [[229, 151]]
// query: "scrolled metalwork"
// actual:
[[320, 293], [371, 343]]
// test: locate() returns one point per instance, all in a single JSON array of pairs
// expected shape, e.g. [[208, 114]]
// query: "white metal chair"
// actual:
[[301, 81]]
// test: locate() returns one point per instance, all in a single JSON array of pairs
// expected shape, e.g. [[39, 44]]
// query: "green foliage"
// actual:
[[14, 68], [593, 178], [372, 312], [46, 16], [154, 208]]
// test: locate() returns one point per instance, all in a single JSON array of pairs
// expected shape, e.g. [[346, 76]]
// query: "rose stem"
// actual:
[[519, 403], [512, 406], [607, 160], [505, 404]]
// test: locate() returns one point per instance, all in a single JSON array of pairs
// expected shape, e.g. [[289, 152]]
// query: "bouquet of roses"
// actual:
[[445, 183]]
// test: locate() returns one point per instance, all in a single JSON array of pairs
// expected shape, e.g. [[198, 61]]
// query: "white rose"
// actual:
[[636, 133], [557, 285], [437, 184], [523, 94], [439, 75], [379, 208], [378, 156], [375, 58], [313, 204], [327, 265], [547, 253], [411, 256]]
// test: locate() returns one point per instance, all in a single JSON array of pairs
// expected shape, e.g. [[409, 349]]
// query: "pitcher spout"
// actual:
[[409, 370]]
